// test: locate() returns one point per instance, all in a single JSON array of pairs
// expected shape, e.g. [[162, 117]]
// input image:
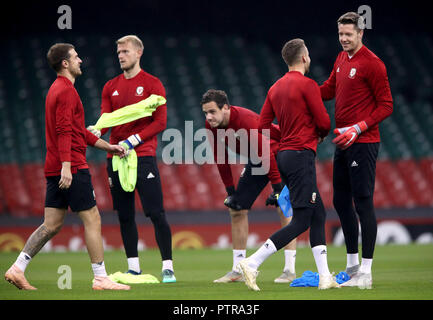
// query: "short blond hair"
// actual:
[[133, 39]]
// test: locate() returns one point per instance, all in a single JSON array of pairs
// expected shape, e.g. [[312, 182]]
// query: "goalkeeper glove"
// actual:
[[95, 131], [347, 136], [230, 201], [131, 143], [272, 200]]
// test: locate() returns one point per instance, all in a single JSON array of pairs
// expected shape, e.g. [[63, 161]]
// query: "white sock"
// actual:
[[238, 255], [290, 258], [352, 260], [99, 269], [22, 261], [366, 265], [167, 264], [321, 258], [134, 264], [264, 252]]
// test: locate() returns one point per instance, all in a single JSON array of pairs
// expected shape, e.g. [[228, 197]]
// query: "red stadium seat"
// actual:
[[101, 186], [2, 201], [416, 182], [324, 182], [397, 190], [35, 182], [173, 194], [195, 187], [18, 201], [217, 189], [381, 197], [426, 168]]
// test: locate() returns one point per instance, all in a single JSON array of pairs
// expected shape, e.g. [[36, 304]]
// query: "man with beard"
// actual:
[[67, 173], [296, 103], [130, 87]]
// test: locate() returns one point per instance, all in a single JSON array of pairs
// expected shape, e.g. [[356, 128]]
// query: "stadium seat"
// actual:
[[398, 192], [426, 168], [218, 192], [18, 201], [381, 198], [324, 182], [415, 181], [174, 196], [101, 186], [34, 180], [195, 187]]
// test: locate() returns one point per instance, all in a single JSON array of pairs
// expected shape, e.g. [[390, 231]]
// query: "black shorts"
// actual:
[[355, 169], [298, 171], [79, 196], [148, 186], [250, 186]]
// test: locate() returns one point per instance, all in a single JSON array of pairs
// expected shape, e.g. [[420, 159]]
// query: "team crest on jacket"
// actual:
[[352, 73], [139, 91]]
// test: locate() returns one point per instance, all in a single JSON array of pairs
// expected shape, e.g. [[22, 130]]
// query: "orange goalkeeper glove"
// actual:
[[347, 136]]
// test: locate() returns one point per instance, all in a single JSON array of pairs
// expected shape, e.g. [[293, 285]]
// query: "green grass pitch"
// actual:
[[399, 273]]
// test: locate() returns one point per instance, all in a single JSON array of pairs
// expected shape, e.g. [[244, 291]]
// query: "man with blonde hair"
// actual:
[[132, 86]]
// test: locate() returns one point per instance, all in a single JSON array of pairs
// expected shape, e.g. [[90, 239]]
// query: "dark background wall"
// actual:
[[274, 21]]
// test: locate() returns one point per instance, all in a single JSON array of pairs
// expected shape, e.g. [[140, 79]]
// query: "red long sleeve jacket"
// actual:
[[120, 92], [361, 89], [296, 103], [65, 130], [242, 118]]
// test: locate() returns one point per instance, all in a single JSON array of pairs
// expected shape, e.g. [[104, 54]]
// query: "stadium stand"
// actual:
[[188, 66]]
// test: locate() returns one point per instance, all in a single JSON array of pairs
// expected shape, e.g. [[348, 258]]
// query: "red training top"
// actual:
[[242, 118], [120, 92], [65, 130], [296, 103], [361, 89]]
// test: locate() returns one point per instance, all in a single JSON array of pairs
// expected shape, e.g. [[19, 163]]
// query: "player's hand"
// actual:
[[117, 150], [95, 131], [65, 176], [130, 143], [272, 200], [348, 135], [231, 203], [320, 140], [339, 131]]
